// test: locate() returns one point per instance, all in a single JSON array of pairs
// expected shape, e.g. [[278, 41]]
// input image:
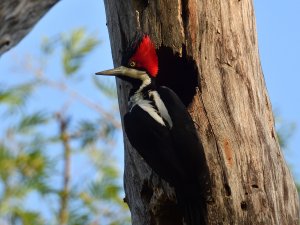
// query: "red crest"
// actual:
[[145, 56]]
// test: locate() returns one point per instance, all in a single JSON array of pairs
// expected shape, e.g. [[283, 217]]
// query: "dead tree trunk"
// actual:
[[209, 50]]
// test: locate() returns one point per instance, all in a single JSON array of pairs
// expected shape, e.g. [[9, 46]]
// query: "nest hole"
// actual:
[[178, 73]]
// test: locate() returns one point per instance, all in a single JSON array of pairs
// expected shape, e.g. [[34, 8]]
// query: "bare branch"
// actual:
[[17, 18], [40, 76], [86, 101], [65, 193]]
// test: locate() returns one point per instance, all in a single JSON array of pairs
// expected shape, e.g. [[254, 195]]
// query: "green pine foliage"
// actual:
[[37, 141]]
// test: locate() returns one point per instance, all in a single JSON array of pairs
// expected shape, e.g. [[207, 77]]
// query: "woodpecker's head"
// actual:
[[139, 60]]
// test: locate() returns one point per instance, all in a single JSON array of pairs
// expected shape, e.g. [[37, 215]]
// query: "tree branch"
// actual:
[[17, 18], [65, 194]]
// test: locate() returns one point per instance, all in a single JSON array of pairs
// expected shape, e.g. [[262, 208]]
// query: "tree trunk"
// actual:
[[208, 55], [17, 18]]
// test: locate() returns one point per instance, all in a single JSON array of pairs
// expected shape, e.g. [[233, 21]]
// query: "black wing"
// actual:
[[153, 142], [188, 146]]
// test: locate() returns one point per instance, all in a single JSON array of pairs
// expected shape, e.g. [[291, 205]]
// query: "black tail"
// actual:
[[193, 207], [194, 214]]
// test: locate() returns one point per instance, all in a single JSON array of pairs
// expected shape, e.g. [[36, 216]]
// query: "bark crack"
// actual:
[[219, 151], [185, 16]]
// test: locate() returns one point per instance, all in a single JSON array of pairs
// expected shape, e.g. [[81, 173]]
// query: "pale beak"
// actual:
[[122, 71], [113, 72]]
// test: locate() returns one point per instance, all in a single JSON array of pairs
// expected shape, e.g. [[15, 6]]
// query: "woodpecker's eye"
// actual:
[[132, 63]]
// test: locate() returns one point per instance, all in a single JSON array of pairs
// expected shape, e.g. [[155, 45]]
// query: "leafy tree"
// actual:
[[37, 162]]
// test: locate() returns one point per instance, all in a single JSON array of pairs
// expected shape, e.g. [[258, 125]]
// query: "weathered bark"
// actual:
[[210, 49], [17, 18]]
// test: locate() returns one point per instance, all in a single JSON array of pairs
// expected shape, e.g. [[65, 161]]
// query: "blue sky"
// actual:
[[279, 47], [278, 33]]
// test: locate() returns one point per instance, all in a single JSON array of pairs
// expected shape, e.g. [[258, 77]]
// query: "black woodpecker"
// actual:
[[159, 127]]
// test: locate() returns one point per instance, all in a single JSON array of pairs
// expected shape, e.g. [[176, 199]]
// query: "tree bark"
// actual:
[[17, 18], [208, 55]]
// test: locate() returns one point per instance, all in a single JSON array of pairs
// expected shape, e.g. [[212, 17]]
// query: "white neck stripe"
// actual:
[[161, 113], [161, 107]]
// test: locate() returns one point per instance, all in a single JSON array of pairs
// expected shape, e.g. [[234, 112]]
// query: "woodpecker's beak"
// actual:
[[122, 71], [113, 72]]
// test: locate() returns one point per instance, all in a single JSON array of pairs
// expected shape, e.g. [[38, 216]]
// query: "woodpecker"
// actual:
[[162, 131]]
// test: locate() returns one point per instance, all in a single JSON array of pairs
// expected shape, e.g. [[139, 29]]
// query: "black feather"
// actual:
[[176, 154]]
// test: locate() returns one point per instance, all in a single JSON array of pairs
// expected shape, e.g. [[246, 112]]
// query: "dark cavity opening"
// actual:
[[244, 205], [227, 189], [178, 73], [254, 186], [5, 43], [184, 11]]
